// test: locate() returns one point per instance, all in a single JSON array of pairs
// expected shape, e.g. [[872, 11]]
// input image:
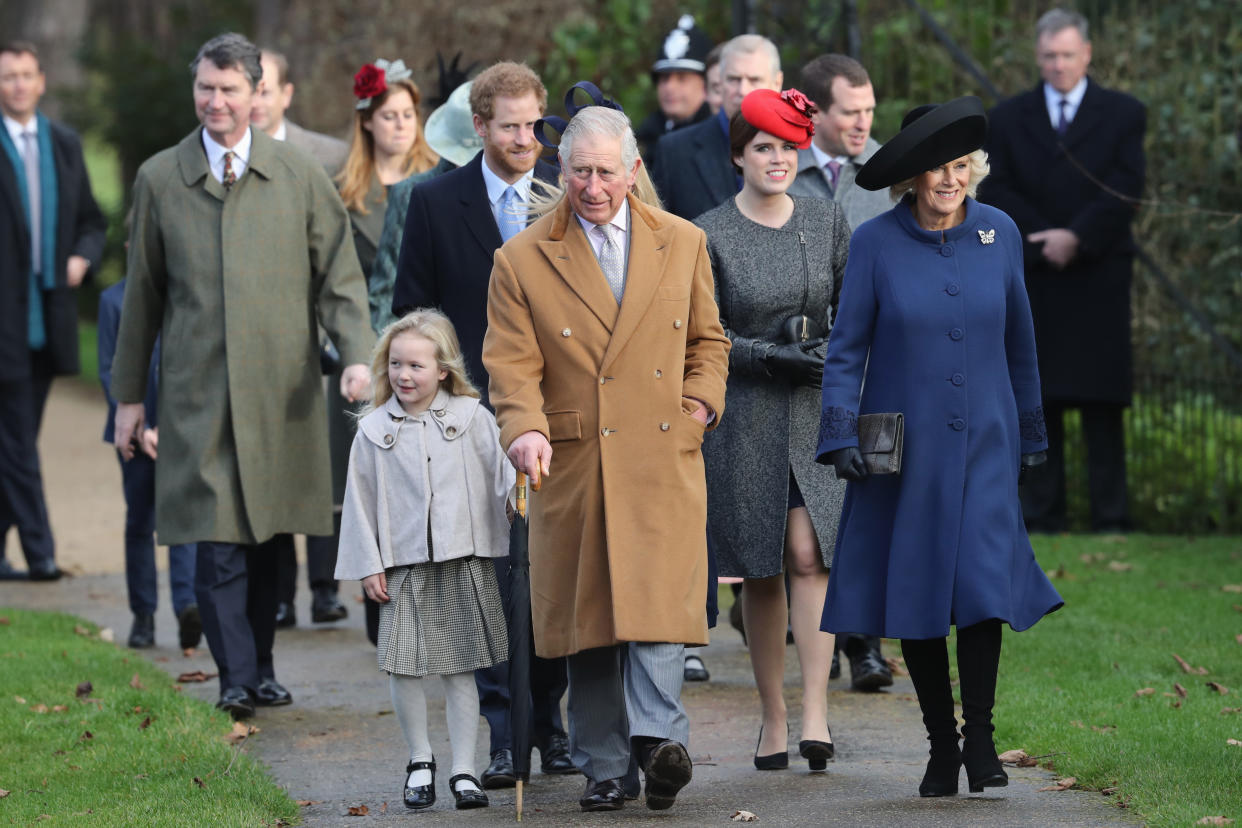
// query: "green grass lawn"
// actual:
[[1068, 686], [133, 751]]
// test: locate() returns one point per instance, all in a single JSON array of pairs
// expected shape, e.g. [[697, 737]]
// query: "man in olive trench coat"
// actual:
[[239, 243], [607, 383]]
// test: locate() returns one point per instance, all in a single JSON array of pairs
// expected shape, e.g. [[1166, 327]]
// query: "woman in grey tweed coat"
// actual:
[[771, 508]]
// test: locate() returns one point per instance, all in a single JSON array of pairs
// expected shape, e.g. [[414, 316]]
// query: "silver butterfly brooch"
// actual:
[[987, 236]]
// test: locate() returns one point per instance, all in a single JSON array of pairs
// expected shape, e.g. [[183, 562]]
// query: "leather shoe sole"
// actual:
[[669, 769]]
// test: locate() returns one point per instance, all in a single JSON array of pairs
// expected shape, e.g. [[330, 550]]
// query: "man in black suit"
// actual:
[[51, 233], [1067, 166], [693, 168], [454, 224]]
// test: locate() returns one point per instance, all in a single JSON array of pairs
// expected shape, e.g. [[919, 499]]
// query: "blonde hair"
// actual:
[[979, 169], [436, 328], [356, 175]]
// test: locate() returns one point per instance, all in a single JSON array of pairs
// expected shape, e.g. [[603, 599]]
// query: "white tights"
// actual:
[[461, 710]]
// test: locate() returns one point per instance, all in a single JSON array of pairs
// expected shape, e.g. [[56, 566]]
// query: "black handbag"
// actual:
[[880, 438], [801, 329]]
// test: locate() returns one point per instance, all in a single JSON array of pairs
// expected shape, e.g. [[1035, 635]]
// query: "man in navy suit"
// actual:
[[51, 234], [1067, 166], [693, 168], [453, 225]]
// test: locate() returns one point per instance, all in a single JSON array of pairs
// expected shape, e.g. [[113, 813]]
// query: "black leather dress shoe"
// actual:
[[869, 672], [236, 701], [286, 616], [326, 607], [8, 573], [142, 633], [499, 773], [602, 796], [46, 571], [189, 627], [467, 797], [668, 769], [271, 693], [418, 797], [554, 756]]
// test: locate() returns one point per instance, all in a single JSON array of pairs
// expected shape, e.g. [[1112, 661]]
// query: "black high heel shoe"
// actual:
[[943, 768], [419, 797], [773, 761], [817, 753], [983, 766]]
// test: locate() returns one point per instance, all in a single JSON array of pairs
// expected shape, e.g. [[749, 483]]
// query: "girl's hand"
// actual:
[[376, 587]]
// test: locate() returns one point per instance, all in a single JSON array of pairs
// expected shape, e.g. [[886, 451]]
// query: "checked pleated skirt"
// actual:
[[442, 617]]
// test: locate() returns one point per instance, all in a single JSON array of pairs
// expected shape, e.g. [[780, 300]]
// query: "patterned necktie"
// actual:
[[230, 177], [510, 220], [1063, 123], [34, 195], [611, 261], [834, 170]]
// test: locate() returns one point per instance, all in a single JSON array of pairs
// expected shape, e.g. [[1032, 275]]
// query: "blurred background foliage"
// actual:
[[1183, 58]]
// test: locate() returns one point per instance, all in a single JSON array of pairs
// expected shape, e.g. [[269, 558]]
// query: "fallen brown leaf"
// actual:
[[896, 666], [1233, 742], [1238, 638], [1145, 691], [3, 792], [1103, 728], [240, 732], [106, 635], [1119, 566], [1181, 691], [1078, 724], [358, 810], [1186, 668], [1214, 820], [1231, 588], [39, 708], [199, 782], [136, 683], [59, 708], [743, 816], [1061, 784], [19, 699], [306, 803], [1218, 687], [86, 734], [195, 675], [84, 689], [145, 723], [1176, 703], [383, 807], [1224, 711], [1013, 757], [1109, 791], [4, 622], [80, 630]]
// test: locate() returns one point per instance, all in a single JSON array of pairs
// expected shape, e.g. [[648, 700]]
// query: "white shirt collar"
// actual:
[[16, 130], [496, 185], [282, 131], [822, 158], [215, 155], [1052, 98], [620, 222]]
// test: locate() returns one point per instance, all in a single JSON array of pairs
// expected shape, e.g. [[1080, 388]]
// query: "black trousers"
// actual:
[[22, 502], [236, 589], [320, 562], [548, 681], [1043, 490]]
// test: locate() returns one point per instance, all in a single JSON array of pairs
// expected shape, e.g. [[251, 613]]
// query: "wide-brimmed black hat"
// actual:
[[684, 49], [930, 135]]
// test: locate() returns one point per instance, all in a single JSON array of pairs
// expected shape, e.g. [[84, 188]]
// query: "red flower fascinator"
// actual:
[[787, 115]]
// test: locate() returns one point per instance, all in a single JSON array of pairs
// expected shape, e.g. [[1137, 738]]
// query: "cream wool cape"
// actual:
[[618, 540]]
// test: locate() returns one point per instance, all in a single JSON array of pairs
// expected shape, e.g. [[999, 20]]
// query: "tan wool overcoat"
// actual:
[[236, 282], [618, 531]]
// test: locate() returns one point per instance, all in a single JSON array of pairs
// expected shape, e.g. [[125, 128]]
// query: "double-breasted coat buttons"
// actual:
[[566, 332], [663, 426]]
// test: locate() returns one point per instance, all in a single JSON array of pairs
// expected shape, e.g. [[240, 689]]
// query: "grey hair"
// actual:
[[979, 169], [231, 51], [600, 121], [748, 44], [1056, 20]]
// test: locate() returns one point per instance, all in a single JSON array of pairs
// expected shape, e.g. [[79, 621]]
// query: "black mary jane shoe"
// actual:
[[468, 798], [983, 767], [419, 797], [816, 753], [773, 761]]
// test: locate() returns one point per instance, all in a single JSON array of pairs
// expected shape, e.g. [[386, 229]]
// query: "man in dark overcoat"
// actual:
[[1067, 166], [453, 226], [240, 246], [693, 168], [51, 234]]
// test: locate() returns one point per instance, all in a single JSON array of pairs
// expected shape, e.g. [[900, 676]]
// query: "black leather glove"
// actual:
[[1029, 461], [849, 463], [794, 364]]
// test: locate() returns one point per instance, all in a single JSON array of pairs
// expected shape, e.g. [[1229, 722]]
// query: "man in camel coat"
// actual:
[[607, 363]]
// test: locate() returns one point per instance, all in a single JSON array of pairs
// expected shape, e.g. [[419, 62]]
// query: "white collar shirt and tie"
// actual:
[[508, 201], [610, 242], [1063, 106], [238, 156], [829, 165], [26, 138]]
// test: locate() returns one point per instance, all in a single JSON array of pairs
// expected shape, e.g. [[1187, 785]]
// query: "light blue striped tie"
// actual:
[[512, 219]]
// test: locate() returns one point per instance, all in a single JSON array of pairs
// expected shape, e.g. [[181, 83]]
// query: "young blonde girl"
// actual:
[[424, 515]]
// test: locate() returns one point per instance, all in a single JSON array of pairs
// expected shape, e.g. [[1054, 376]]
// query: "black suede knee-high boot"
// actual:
[[978, 655], [928, 663]]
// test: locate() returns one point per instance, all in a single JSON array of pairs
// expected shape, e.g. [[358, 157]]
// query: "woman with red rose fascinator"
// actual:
[[772, 511]]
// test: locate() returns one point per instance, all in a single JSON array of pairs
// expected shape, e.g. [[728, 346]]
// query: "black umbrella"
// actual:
[[520, 640]]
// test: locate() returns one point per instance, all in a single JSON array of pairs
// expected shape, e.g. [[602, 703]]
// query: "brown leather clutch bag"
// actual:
[[880, 437]]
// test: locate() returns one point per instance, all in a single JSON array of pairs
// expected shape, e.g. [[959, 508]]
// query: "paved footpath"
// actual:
[[339, 745]]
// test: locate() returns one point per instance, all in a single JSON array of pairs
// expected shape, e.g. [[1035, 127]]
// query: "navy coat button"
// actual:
[[952, 289], [958, 379], [956, 334], [957, 424], [947, 250]]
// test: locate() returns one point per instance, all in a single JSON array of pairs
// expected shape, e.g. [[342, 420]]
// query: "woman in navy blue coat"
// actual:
[[934, 323]]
